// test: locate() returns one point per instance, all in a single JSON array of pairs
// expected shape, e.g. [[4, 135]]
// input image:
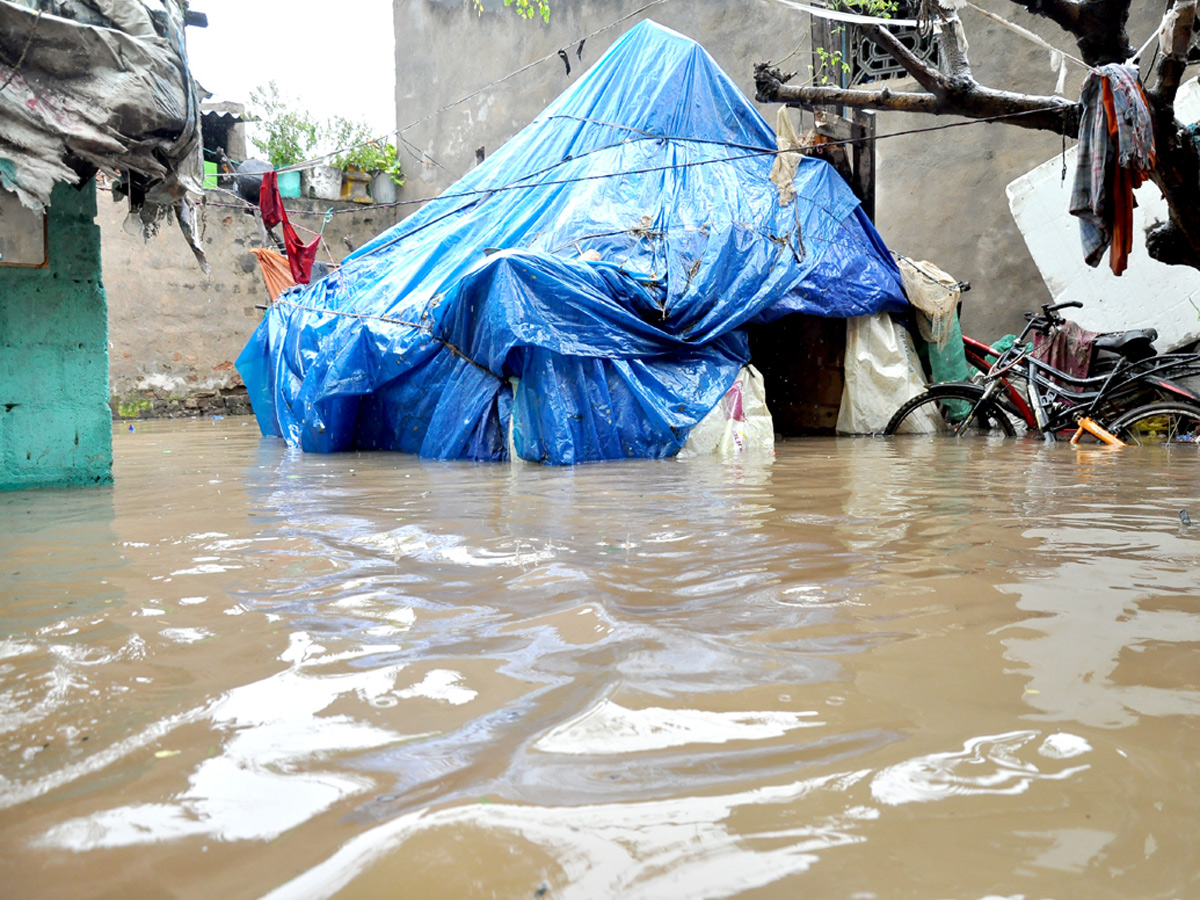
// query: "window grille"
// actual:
[[869, 63], [866, 62]]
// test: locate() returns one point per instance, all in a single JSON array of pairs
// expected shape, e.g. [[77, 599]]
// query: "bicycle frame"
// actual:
[[1054, 401], [977, 357]]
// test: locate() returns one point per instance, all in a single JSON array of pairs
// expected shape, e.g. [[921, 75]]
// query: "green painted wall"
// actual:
[[55, 423]]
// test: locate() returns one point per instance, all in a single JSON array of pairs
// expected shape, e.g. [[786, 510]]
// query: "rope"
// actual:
[[755, 151], [1028, 35], [853, 18]]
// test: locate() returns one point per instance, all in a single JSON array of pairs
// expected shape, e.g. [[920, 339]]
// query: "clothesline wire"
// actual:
[[295, 167], [517, 184], [421, 154], [1028, 35], [326, 218]]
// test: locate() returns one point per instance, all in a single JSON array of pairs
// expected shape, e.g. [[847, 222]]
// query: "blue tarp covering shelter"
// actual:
[[590, 283]]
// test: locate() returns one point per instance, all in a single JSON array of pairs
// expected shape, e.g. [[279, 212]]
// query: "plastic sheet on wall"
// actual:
[[607, 258], [91, 85]]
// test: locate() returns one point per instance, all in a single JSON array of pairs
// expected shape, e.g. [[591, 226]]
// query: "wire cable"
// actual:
[[519, 182]]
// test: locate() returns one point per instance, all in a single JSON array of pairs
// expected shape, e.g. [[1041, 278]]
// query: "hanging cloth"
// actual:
[[1068, 348], [1116, 154], [276, 272], [300, 255]]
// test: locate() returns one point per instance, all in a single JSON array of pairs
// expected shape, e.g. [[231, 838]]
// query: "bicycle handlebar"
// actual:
[[1049, 316], [1050, 311]]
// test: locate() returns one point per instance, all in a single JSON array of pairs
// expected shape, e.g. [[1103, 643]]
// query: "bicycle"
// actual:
[[1134, 395]]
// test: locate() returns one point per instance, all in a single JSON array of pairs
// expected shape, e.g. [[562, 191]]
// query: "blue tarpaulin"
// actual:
[[589, 284]]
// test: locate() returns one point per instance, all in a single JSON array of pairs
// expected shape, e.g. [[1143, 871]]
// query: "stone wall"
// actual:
[[54, 424], [175, 332]]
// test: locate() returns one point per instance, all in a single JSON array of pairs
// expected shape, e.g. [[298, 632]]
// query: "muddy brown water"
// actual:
[[856, 669]]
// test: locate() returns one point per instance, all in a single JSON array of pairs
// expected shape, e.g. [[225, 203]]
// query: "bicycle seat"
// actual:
[[1133, 345]]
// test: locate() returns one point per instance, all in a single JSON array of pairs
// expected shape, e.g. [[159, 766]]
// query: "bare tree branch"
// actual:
[[976, 102], [1063, 13], [924, 74], [1170, 69], [771, 89], [1176, 170]]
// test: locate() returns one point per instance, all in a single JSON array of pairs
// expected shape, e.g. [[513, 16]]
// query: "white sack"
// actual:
[[882, 372]]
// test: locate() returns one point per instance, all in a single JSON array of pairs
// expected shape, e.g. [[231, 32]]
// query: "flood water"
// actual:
[[857, 669]]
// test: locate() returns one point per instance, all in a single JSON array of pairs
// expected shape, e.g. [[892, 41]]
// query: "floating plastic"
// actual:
[[607, 259]]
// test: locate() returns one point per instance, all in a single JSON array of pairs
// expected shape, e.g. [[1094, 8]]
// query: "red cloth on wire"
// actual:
[[300, 255], [269, 200]]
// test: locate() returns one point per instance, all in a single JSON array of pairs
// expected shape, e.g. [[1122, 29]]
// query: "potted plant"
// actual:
[[387, 174], [366, 160]]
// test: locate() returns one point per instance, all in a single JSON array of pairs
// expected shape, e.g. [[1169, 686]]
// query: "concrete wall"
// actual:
[[176, 332], [445, 51], [940, 195], [55, 428]]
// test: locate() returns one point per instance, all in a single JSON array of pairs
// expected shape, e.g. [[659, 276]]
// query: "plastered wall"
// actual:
[[55, 428]]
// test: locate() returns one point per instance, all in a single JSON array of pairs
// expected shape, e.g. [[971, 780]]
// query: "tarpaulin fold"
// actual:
[[487, 311]]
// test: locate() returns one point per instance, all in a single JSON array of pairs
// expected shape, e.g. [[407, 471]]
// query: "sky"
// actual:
[[333, 58]]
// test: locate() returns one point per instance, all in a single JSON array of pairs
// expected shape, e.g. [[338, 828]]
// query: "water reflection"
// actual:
[[1115, 613], [854, 669], [259, 785]]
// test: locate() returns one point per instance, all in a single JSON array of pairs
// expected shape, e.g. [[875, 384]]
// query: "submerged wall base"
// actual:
[[55, 424]]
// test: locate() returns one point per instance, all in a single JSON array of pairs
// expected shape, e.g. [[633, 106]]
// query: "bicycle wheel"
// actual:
[[1159, 423], [942, 410]]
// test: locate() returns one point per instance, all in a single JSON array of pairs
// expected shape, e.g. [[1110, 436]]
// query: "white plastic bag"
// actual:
[[739, 422]]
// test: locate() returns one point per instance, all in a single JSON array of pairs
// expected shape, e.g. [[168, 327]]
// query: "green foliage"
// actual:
[[285, 135], [881, 9], [340, 132], [364, 151], [827, 63], [526, 9]]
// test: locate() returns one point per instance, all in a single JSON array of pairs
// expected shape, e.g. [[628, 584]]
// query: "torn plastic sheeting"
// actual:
[[655, 163], [110, 90]]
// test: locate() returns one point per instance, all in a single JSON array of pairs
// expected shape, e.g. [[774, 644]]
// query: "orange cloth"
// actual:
[[1125, 180], [276, 271]]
